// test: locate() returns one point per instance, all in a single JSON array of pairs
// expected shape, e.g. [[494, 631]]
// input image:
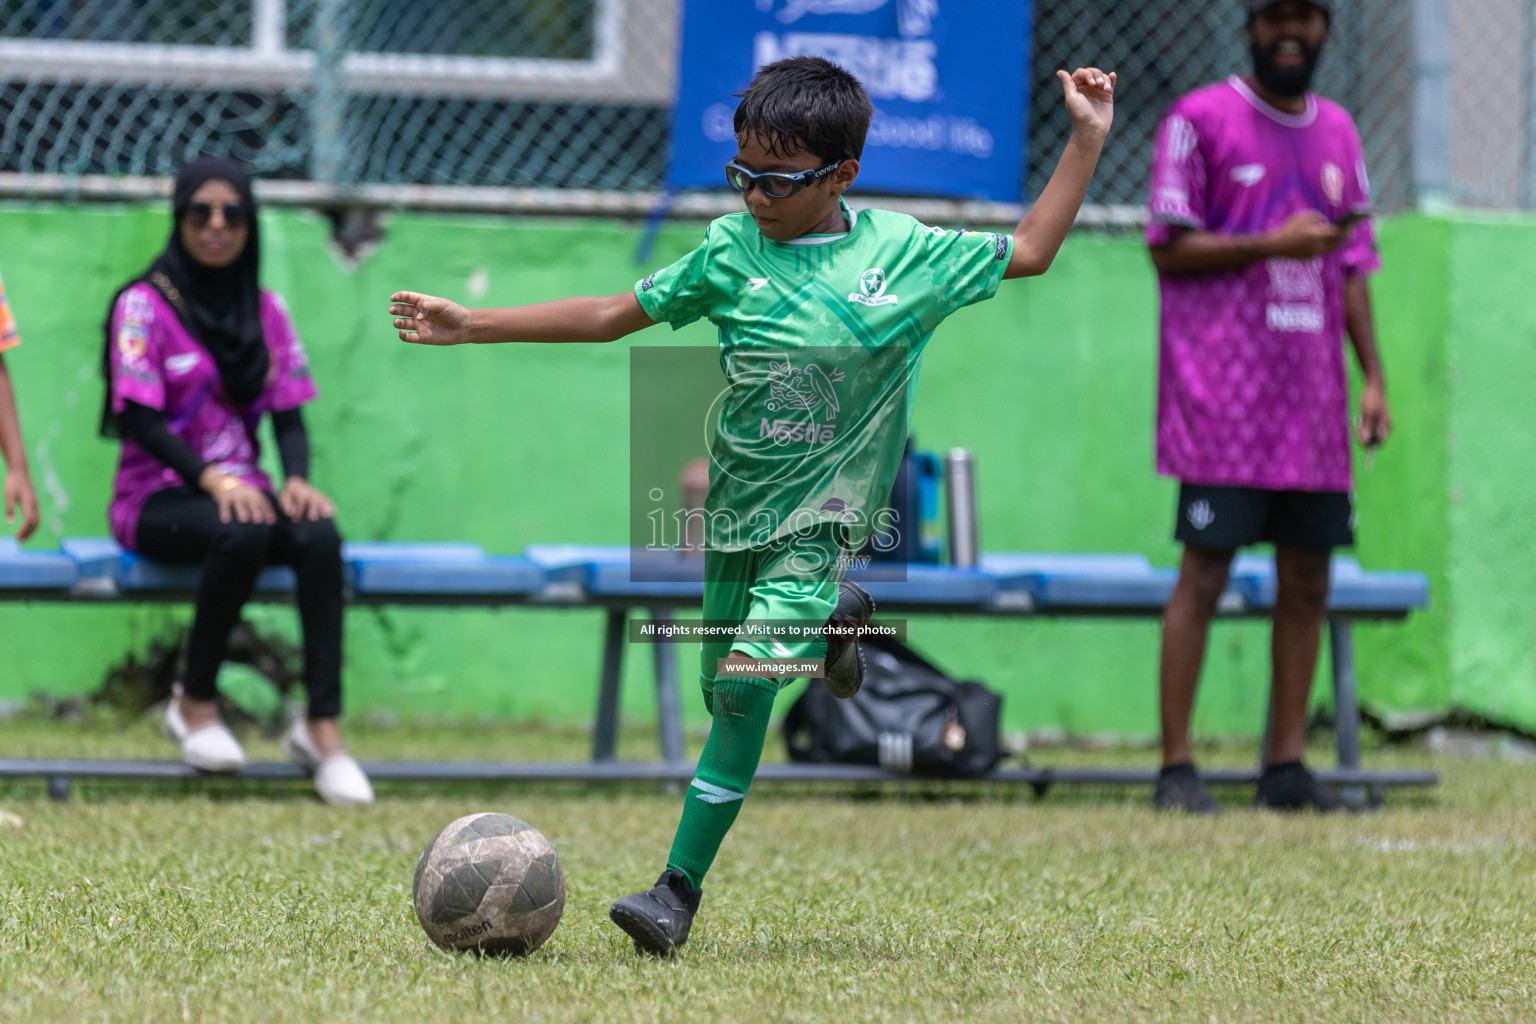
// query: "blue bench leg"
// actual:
[[1346, 700], [605, 736], [1269, 725], [669, 712]]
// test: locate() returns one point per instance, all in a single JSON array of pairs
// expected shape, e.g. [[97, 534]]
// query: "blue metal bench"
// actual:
[[1041, 584], [1128, 585], [441, 574], [374, 573], [619, 580], [34, 574], [107, 571]]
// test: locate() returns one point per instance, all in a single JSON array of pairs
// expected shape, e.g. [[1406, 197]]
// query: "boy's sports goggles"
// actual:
[[774, 185]]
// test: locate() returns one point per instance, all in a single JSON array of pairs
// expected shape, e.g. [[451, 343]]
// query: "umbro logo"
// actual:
[[1200, 514]]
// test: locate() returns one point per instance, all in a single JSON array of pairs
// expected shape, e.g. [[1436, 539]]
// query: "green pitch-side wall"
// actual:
[[1051, 385]]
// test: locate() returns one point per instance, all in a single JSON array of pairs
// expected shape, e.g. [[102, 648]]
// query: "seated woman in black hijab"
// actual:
[[196, 354]]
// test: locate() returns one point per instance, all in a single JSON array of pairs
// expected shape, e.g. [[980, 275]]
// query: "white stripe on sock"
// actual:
[[712, 794]]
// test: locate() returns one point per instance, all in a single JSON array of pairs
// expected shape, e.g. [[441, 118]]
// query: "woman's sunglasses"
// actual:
[[236, 215], [774, 185]]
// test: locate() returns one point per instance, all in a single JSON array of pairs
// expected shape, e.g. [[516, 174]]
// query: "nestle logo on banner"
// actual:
[[914, 17], [891, 69]]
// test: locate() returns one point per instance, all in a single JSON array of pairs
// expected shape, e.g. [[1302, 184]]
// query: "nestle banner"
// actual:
[[948, 78]]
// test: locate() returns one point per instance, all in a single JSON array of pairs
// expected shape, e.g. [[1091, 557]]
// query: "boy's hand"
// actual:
[[429, 320], [19, 494], [1090, 98]]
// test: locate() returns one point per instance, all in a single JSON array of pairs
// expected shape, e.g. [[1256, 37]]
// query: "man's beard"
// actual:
[[1289, 81]]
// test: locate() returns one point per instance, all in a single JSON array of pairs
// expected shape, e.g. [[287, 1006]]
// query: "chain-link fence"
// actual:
[[576, 94], [1491, 101], [1163, 50], [533, 93]]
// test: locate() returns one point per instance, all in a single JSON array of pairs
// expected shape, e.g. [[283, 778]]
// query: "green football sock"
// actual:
[[735, 745]]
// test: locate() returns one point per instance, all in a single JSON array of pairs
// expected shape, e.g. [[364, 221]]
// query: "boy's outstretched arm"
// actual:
[[429, 320], [1090, 98]]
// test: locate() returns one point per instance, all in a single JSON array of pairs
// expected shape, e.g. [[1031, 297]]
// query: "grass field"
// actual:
[[942, 903]]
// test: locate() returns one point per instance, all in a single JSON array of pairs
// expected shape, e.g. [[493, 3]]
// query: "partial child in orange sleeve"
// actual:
[[19, 492]]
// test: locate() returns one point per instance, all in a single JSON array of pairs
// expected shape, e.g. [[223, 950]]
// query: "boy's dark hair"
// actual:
[[805, 103]]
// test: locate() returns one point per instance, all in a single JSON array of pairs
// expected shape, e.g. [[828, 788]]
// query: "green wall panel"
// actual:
[[1492, 485], [1051, 384]]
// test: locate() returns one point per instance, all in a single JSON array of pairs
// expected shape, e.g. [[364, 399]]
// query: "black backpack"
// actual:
[[907, 717]]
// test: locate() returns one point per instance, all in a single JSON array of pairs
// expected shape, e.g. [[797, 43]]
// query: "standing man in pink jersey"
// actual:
[[1259, 233]]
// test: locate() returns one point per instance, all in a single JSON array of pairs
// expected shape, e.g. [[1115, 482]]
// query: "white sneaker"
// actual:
[[339, 779], [209, 748], [298, 746]]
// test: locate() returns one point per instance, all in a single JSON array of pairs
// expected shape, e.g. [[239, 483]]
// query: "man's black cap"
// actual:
[[1254, 6]]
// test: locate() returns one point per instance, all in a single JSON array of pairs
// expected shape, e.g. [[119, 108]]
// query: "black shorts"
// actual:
[[1235, 517]]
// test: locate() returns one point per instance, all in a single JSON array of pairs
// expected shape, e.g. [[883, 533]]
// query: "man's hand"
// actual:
[[1375, 419], [237, 500], [300, 500], [1090, 98], [429, 320], [19, 494], [1305, 235]]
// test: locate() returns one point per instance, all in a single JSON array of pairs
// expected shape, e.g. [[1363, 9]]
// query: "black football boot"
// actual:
[[659, 918], [845, 661]]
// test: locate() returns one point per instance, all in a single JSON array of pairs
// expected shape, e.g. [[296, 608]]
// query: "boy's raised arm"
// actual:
[[1089, 95], [430, 320]]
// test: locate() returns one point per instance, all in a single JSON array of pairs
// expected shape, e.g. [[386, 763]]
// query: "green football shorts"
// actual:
[[790, 585]]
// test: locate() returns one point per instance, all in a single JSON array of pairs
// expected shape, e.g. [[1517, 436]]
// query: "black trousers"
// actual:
[[181, 524]]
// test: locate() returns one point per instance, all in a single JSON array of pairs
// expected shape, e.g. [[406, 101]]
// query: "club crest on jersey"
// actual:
[[872, 290], [1333, 183]]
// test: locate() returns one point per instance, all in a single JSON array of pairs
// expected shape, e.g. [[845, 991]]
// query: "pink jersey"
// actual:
[[157, 363], [1251, 381]]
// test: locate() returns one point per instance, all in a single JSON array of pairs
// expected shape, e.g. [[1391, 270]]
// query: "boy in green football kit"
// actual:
[[823, 314]]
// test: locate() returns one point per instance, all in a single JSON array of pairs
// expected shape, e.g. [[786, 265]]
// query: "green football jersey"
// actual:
[[821, 341]]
